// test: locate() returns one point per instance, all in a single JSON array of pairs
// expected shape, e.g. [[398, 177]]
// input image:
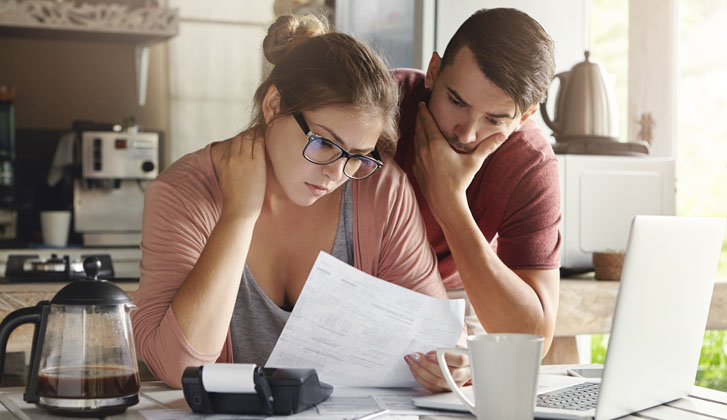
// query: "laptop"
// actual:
[[658, 325]]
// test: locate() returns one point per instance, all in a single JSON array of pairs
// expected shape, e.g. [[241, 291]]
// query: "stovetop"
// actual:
[[30, 268]]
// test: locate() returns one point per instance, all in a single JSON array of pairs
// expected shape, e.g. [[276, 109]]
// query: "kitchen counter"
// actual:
[[586, 307], [125, 260]]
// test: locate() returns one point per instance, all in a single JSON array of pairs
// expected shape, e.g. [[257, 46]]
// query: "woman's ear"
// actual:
[[271, 104]]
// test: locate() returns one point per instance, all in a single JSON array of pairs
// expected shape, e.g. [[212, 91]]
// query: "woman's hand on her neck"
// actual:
[[242, 176], [204, 297]]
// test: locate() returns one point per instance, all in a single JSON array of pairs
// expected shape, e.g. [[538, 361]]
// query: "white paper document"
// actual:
[[355, 329], [352, 402], [344, 403]]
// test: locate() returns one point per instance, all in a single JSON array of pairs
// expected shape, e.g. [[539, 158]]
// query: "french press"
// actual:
[[83, 361]]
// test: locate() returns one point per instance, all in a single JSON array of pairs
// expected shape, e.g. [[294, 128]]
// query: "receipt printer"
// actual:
[[234, 388]]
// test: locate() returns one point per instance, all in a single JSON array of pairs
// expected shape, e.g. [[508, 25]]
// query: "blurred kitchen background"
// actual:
[[97, 97]]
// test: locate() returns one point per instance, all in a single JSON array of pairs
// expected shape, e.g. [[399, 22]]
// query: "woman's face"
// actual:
[[305, 182]]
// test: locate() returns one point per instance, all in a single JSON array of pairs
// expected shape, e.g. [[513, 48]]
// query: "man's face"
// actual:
[[467, 106]]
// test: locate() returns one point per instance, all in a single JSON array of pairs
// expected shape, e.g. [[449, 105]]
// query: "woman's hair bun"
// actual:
[[288, 31]]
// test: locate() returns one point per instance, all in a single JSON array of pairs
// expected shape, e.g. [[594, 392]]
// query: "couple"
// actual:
[[231, 231]]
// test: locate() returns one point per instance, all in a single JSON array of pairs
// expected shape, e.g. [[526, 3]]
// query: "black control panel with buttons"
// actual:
[[97, 157]]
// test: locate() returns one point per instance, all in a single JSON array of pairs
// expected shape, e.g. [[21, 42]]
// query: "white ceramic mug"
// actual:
[[55, 226], [504, 374]]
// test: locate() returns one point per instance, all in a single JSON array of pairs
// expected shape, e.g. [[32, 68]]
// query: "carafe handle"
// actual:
[[10, 323], [37, 315]]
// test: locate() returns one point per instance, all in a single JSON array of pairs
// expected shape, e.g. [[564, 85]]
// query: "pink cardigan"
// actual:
[[182, 207]]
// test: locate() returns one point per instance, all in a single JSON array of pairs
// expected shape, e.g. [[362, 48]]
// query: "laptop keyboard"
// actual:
[[579, 397]]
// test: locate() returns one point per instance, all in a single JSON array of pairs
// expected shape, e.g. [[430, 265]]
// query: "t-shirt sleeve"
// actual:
[[171, 244], [529, 237]]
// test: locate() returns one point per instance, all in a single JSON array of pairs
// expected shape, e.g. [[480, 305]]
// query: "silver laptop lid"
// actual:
[[658, 326]]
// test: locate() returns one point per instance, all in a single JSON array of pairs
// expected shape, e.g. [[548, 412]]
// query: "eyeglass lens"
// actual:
[[322, 151]]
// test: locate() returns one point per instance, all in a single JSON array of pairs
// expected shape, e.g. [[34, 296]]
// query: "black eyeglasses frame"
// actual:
[[376, 158]]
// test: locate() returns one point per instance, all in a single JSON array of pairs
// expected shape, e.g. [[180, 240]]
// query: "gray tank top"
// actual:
[[256, 320]]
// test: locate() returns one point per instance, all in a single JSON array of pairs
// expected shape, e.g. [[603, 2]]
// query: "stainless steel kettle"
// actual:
[[585, 107]]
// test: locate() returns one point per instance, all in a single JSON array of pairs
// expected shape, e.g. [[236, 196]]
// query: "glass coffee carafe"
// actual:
[[83, 360]]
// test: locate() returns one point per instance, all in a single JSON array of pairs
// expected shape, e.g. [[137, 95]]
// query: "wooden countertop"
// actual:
[[586, 306]]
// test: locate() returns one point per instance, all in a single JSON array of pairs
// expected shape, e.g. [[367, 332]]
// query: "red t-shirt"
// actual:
[[514, 197]]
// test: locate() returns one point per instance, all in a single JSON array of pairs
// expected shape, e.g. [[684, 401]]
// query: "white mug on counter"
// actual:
[[505, 371], [55, 226]]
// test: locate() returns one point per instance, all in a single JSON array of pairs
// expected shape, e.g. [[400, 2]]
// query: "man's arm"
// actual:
[[504, 300]]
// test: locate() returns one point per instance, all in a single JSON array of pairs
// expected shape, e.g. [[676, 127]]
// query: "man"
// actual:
[[485, 177]]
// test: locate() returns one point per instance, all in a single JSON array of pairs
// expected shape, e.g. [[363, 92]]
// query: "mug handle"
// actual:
[[450, 380]]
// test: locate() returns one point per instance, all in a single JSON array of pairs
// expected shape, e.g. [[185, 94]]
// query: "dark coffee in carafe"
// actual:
[[87, 382]]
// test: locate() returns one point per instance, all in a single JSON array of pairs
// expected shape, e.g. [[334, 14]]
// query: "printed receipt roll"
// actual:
[[228, 377]]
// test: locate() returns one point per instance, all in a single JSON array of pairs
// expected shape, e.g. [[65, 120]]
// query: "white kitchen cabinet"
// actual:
[[105, 22]]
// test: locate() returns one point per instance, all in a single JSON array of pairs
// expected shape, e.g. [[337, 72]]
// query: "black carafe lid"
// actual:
[[91, 290]]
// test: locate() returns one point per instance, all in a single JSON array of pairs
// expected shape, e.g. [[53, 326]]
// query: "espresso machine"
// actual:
[[108, 190]]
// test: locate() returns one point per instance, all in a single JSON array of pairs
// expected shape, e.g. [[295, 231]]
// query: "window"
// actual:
[[609, 43], [701, 142], [702, 145]]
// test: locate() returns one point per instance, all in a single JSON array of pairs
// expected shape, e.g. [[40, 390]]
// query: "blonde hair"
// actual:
[[314, 67]]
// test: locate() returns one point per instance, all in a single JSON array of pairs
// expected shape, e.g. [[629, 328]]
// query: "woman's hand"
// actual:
[[203, 304], [426, 371], [241, 173]]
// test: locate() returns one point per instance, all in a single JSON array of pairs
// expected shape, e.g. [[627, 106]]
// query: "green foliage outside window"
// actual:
[[712, 370]]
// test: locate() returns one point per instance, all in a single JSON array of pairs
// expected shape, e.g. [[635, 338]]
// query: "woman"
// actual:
[[231, 231]]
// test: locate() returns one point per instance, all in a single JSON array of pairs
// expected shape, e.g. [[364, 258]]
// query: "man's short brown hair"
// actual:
[[512, 50]]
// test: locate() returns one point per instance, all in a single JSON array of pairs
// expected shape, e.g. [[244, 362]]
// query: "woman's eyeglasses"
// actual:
[[322, 151]]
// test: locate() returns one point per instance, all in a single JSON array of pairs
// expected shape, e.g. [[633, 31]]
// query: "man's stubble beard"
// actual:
[[457, 146]]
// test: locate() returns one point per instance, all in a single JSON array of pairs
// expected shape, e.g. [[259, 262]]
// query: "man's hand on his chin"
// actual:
[[444, 174]]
